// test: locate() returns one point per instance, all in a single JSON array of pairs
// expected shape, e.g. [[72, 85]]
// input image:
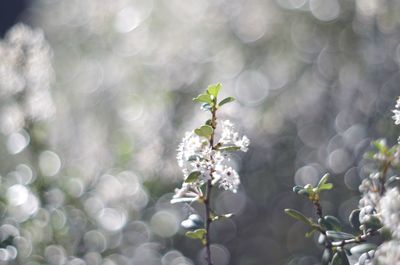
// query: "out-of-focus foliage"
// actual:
[[314, 80]]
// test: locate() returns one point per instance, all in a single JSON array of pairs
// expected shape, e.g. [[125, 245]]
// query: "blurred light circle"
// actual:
[[93, 205], [170, 256], [339, 160], [76, 261], [219, 255], [4, 254], [251, 88], [112, 219], [75, 187], [127, 20], [24, 246], [229, 202], [12, 252], [132, 16], [58, 219], [251, 23], [25, 173], [17, 142], [95, 241], [93, 258], [137, 233], [49, 163], [325, 10], [17, 195], [181, 261], [306, 175], [164, 224], [55, 255], [352, 179]]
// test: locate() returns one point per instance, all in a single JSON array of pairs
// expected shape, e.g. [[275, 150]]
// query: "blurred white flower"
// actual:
[[227, 178], [231, 137], [388, 253], [390, 211], [396, 112]]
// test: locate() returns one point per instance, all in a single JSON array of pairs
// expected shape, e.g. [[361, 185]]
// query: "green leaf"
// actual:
[[340, 258], [326, 256], [333, 222], [226, 100], [310, 233], [196, 234], [322, 185], [373, 222], [362, 248], [206, 107], [229, 148], [204, 131], [325, 186], [214, 89], [297, 189], [380, 145], [354, 219], [203, 98], [298, 216], [337, 235], [194, 176], [323, 180]]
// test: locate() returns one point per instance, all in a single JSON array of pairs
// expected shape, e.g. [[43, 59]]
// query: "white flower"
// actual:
[[192, 146], [226, 177], [189, 192], [388, 253], [231, 137], [390, 211], [396, 112]]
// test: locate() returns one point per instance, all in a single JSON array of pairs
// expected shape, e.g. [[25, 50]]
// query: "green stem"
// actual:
[[207, 200]]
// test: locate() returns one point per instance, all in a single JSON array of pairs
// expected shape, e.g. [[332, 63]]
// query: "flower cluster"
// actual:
[[195, 154], [396, 112]]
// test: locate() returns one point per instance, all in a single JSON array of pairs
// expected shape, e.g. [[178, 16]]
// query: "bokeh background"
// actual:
[[95, 96]]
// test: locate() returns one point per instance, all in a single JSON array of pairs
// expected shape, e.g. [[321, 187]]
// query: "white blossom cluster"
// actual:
[[396, 112], [25, 68], [195, 154], [390, 211], [369, 202], [388, 253]]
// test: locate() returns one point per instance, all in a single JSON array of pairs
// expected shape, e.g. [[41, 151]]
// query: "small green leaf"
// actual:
[[214, 89], [323, 180], [204, 131], [325, 186], [354, 219], [194, 176], [380, 145], [196, 234], [340, 258], [333, 223], [297, 189], [229, 148], [298, 216], [310, 233], [373, 222], [203, 98], [322, 185], [226, 100], [326, 256], [362, 248], [206, 107], [337, 235]]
